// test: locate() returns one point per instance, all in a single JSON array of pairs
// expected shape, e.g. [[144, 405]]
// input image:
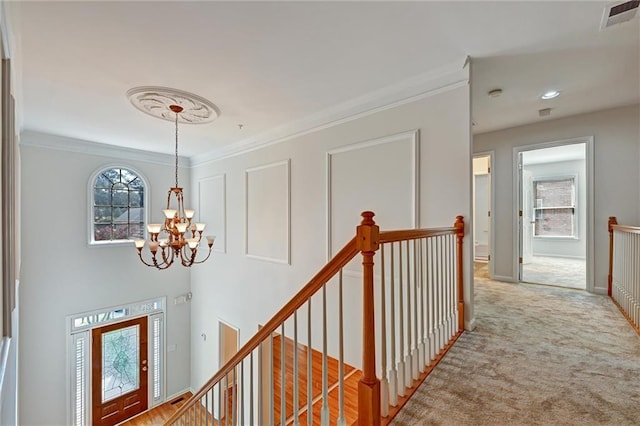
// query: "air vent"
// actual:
[[617, 13]]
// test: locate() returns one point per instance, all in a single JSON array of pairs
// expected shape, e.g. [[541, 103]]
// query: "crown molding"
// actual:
[[63, 143], [422, 86]]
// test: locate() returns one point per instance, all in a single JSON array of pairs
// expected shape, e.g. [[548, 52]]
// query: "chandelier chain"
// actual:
[[176, 149]]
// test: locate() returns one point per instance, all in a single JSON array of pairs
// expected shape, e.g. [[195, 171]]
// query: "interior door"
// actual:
[[119, 371], [481, 217], [528, 219]]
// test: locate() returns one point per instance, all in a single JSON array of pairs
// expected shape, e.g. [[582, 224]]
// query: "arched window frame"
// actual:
[[91, 197]]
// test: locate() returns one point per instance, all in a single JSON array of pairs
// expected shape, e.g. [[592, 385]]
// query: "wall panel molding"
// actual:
[[212, 208], [392, 160], [268, 212]]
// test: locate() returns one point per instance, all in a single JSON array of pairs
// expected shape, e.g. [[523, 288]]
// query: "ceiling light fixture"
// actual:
[[495, 93], [550, 94], [178, 237]]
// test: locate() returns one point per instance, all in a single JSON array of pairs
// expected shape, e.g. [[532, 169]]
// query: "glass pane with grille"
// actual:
[[120, 362], [554, 207], [118, 205]]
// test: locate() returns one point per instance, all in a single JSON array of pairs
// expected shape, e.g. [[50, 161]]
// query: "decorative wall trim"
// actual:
[[286, 211], [63, 143], [220, 244], [444, 79], [414, 136]]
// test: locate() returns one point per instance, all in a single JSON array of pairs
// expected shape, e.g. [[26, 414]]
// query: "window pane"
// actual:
[[120, 214], [136, 184], [101, 197], [127, 176], [121, 232], [136, 199], [554, 222], [554, 193], [102, 182], [102, 232], [120, 198], [102, 214], [136, 230], [113, 175], [120, 362]]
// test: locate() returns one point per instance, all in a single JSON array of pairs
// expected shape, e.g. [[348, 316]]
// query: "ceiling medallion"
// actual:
[[156, 101]]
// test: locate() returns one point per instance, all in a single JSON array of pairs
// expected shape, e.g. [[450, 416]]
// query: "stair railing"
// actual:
[[624, 270], [422, 278]]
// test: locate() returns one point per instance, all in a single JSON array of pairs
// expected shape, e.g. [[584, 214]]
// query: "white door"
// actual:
[[481, 217]]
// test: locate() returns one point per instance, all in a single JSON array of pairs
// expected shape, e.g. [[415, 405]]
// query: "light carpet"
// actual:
[[538, 356]]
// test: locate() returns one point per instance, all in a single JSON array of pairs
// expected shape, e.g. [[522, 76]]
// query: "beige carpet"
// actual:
[[539, 356]]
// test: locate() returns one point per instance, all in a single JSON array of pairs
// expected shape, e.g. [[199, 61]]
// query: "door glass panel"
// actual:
[[120, 362]]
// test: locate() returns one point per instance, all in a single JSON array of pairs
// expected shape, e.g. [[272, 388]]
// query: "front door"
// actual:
[[119, 371]]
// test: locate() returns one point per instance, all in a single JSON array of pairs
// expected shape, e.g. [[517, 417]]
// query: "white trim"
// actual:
[[590, 213], [414, 136], [576, 216], [287, 259], [147, 201], [223, 209], [446, 78], [504, 278], [5, 345], [63, 143], [220, 345], [492, 208]]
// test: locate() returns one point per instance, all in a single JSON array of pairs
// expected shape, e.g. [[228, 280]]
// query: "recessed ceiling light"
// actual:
[[550, 94]]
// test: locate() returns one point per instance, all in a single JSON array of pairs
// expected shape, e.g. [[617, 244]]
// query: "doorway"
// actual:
[[555, 208], [229, 337], [482, 207], [119, 371]]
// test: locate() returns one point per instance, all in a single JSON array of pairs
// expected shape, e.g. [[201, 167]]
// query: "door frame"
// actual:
[[221, 351], [492, 207], [517, 203]]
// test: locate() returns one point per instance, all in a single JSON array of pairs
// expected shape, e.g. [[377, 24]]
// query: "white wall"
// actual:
[[247, 292], [564, 247], [616, 135], [62, 275]]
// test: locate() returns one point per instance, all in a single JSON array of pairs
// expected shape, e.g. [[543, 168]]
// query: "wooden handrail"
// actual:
[[414, 234], [626, 228], [348, 252]]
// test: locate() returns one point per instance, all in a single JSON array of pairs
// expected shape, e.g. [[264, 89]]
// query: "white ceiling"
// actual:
[[555, 154], [268, 64]]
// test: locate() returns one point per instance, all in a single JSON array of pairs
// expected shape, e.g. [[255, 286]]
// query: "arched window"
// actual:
[[118, 208]]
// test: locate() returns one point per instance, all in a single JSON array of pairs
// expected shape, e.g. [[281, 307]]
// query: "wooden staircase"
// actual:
[[416, 294]]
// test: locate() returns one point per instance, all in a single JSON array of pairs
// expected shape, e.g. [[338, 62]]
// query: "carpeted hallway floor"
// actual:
[[538, 356]]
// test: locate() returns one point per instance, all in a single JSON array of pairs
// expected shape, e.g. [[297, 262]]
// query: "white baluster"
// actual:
[[432, 300], [324, 414], [283, 379], [402, 383], [423, 333], [415, 354], [341, 419], [408, 361], [296, 418], [309, 367], [393, 374], [384, 382], [251, 417]]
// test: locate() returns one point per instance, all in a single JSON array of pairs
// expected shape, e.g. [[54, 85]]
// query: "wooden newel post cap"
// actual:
[[459, 224], [612, 221], [368, 233]]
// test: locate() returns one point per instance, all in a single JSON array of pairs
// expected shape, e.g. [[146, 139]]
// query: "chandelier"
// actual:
[[178, 239]]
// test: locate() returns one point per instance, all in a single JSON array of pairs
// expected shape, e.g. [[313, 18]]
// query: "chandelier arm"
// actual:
[[165, 264], [184, 257], [204, 260], [142, 259]]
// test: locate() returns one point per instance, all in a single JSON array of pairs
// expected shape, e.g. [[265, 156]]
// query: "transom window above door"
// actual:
[[118, 206]]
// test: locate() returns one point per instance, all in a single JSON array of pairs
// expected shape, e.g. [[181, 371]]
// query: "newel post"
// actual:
[[459, 226], [368, 240], [612, 221]]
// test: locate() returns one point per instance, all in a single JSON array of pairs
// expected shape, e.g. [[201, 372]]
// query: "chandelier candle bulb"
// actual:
[[153, 246], [189, 213], [169, 213], [193, 243], [210, 240], [200, 226], [139, 244], [182, 227], [154, 228]]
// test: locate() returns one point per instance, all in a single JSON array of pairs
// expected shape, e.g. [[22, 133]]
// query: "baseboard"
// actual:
[[470, 325], [504, 279], [177, 394], [559, 256], [601, 290]]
